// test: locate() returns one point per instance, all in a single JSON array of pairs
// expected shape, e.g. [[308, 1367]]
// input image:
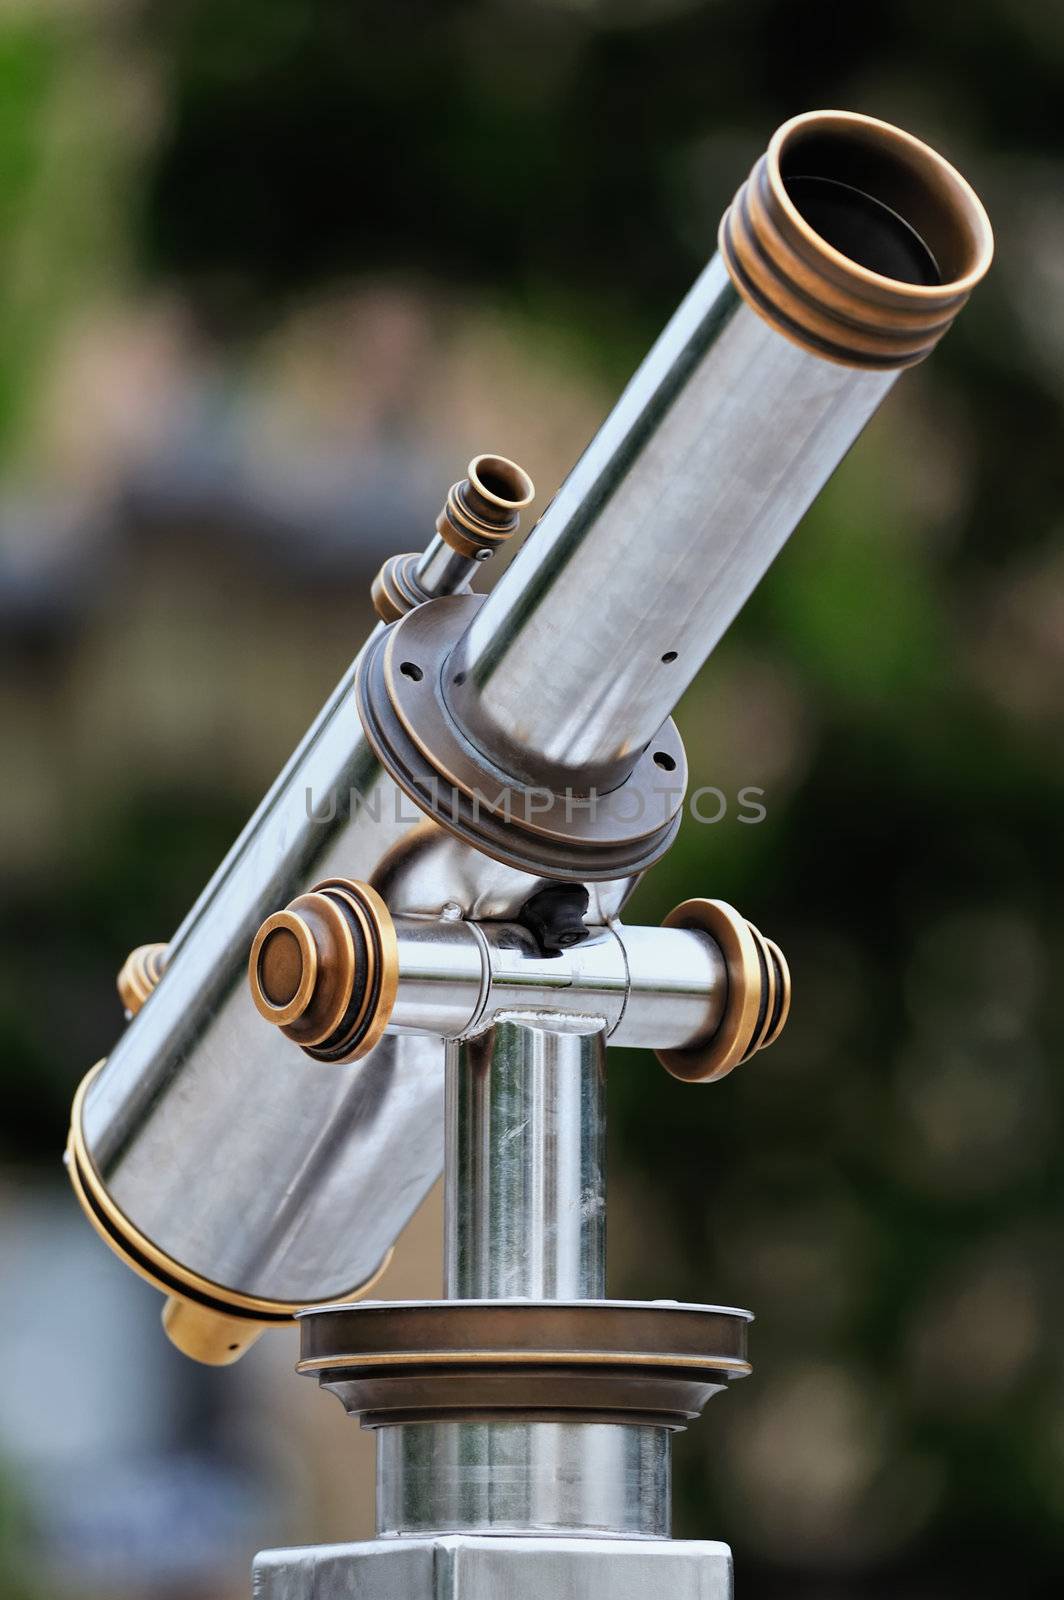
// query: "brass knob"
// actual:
[[325, 970], [141, 971], [395, 590], [758, 998], [484, 509]]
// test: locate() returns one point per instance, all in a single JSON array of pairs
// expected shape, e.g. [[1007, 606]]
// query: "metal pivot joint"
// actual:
[[334, 970]]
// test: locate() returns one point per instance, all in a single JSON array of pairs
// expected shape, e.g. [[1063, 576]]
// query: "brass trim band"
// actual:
[[819, 297], [173, 1279], [566, 1358]]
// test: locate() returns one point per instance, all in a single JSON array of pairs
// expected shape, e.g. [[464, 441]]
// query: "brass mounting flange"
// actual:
[[759, 992], [325, 970], [560, 835]]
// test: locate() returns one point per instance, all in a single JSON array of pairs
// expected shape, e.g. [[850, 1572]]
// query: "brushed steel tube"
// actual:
[[245, 1162], [442, 570], [656, 539], [525, 1196], [442, 977], [676, 988], [653, 988], [590, 1479]]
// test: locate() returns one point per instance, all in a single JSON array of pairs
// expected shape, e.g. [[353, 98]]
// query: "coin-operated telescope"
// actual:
[[414, 956]]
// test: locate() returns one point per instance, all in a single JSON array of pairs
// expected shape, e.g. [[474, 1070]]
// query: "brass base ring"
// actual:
[[653, 1363]]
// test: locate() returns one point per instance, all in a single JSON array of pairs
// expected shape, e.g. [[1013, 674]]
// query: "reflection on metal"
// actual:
[[473, 806], [526, 1164], [524, 1477]]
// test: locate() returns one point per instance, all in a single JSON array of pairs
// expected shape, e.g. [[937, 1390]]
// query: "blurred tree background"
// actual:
[[269, 274]]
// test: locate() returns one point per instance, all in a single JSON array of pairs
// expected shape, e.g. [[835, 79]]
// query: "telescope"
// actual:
[[414, 957]]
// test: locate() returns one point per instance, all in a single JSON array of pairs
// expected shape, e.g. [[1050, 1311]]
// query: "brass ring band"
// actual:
[[783, 1002], [154, 1265], [566, 1358], [822, 299]]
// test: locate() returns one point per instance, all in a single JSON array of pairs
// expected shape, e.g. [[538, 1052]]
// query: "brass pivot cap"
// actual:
[[484, 509], [395, 590], [141, 971], [325, 970], [758, 999]]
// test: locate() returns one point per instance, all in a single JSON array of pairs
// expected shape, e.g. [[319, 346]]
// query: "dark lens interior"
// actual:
[[864, 229]]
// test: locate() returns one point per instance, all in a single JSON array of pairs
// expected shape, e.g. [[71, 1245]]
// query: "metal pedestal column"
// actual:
[[527, 1510]]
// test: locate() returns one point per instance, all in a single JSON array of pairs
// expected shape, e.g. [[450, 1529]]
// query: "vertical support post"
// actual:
[[525, 1208], [526, 1165]]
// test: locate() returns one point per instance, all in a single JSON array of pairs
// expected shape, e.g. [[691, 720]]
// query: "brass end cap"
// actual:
[[856, 240], [758, 999], [205, 1335], [484, 509], [141, 971], [395, 590], [325, 970]]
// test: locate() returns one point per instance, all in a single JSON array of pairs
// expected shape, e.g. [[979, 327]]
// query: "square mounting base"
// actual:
[[475, 1567]]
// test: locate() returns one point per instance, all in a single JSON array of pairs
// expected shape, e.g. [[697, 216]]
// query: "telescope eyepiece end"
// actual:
[[856, 240]]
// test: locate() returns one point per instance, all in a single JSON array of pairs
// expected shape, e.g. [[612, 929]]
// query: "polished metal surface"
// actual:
[[525, 1199], [658, 536], [430, 872], [243, 1160], [442, 570], [660, 988], [497, 1567], [675, 985], [524, 1477]]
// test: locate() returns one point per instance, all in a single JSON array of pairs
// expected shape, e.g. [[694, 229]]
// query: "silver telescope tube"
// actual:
[[748, 401], [211, 1153]]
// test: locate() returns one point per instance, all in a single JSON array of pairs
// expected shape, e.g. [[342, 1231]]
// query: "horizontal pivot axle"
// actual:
[[335, 969]]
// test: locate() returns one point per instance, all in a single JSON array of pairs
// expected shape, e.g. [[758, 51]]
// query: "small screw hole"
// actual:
[[234, 1347], [665, 762], [459, 679], [410, 669], [670, 655]]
